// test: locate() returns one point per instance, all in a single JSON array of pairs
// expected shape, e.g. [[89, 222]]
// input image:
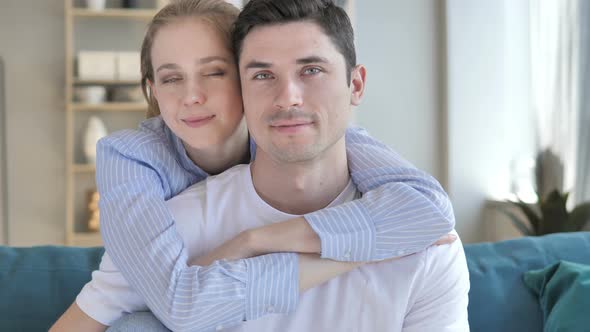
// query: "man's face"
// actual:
[[297, 99]]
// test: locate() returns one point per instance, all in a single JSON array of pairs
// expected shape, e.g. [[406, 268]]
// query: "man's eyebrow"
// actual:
[[257, 65], [311, 59], [302, 61]]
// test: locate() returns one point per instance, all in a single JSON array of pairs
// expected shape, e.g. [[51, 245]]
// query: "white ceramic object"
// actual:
[[128, 66], [97, 5], [161, 3], [94, 131], [92, 94], [97, 65]]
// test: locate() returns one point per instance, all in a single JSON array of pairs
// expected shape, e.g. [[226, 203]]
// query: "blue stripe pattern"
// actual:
[[402, 211]]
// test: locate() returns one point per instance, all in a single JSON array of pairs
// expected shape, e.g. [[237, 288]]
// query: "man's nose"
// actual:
[[289, 94]]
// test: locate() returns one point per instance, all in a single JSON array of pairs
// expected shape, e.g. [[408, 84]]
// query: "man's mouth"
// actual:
[[291, 126]]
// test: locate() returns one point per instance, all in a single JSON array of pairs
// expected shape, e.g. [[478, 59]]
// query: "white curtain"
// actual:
[[555, 71], [583, 173]]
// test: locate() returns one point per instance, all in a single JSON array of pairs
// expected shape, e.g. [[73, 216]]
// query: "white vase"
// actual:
[[96, 5], [161, 3], [238, 3], [94, 131]]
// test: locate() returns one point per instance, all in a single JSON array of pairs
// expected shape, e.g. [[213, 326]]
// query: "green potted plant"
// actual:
[[550, 213]]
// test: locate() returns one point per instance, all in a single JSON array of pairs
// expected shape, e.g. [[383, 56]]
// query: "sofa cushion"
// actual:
[[499, 300], [564, 292], [39, 283]]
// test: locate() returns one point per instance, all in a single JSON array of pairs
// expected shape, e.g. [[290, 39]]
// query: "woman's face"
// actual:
[[196, 83]]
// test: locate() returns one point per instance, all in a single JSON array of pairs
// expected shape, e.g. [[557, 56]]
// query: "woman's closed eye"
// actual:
[[171, 80], [215, 73]]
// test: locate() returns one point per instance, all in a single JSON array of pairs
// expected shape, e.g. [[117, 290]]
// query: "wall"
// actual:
[[489, 117], [3, 205], [33, 51], [400, 43]]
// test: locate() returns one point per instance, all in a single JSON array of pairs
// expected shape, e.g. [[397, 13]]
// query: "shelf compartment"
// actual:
[[86, 239], [78, 81], [110, 107], [83, 168]]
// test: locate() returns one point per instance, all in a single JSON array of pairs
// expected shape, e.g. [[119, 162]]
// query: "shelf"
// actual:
[[140, 14], [86, 239], [83, 168], [110, 107], [106, 82]]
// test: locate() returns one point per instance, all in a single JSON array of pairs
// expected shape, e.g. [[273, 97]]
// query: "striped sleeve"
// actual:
[[403, 210], [140, 235]]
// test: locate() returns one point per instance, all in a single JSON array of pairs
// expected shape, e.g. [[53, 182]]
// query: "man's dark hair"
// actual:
[[331, 19]]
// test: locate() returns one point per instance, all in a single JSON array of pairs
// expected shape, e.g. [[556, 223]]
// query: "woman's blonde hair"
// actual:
[[218, 13]]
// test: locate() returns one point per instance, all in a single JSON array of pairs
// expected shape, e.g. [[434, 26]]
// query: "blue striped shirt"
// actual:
[[403, 211]]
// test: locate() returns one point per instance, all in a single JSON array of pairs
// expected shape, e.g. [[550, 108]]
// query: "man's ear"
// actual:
[[358, 79]]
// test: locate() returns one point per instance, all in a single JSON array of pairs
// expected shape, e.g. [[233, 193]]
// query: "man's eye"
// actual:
[[263, 76], [311, 71]]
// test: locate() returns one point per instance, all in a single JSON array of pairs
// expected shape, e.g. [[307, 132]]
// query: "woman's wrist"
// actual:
[[293, 235]]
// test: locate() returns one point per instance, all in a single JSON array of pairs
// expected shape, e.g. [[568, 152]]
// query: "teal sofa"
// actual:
[[37, 284]]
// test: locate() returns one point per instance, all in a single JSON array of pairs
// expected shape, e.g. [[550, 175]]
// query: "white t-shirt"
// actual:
[[426, 291]]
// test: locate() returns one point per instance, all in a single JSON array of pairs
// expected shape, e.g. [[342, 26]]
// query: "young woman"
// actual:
[[196, 128]]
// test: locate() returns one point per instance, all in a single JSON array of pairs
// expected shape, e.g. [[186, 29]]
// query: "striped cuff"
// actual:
[[273, 284], [346, 232]]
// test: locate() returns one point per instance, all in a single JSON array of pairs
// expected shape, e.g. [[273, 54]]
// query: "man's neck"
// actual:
[[304, 187]]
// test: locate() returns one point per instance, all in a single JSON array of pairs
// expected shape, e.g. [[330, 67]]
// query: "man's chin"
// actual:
[[294, 154]]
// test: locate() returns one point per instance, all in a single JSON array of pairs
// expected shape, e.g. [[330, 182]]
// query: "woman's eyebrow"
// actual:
[[167, 66], [212, 58]]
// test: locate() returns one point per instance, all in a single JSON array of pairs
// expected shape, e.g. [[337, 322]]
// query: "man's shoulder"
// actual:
[[445, 271], [439, 256]]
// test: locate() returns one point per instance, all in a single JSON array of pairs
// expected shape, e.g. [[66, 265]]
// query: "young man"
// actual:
[[298, 97]]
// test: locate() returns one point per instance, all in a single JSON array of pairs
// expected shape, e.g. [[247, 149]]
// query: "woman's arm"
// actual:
[[108, 296], [136, 173], [403, 210], [74, 319]]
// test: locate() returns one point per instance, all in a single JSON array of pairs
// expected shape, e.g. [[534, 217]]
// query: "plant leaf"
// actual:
[[531, 214], [579, 217], [518, 223], [554, 212]]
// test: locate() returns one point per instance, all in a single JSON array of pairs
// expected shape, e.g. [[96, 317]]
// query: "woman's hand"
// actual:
[[280, 237], [239, 247]]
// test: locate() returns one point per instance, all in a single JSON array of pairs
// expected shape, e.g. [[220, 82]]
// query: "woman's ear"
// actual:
[[357, 83], [151, 90]]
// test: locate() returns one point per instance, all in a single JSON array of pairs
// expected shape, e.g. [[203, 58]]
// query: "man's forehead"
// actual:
[[294, 42]]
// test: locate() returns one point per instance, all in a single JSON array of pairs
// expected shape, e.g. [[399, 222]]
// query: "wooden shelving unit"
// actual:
[[76, 171], [78, 81], [83, 168]]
